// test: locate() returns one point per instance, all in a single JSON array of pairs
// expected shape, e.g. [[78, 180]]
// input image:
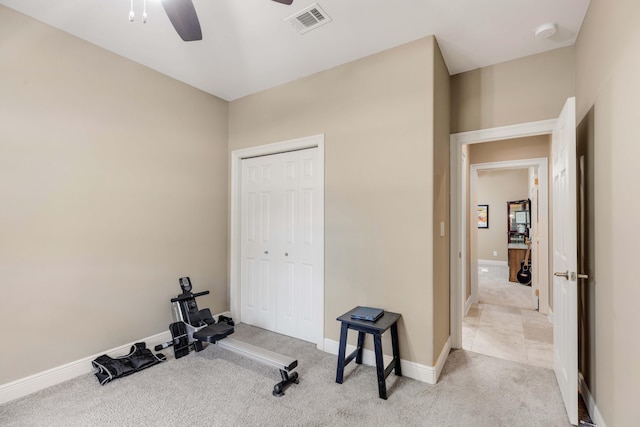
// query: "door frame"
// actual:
[[458, 241], [235, 218]]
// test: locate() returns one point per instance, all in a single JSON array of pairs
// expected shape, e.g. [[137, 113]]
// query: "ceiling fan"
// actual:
[[184, 18]]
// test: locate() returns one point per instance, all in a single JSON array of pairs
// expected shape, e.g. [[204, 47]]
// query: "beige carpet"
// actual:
[[219, 388]]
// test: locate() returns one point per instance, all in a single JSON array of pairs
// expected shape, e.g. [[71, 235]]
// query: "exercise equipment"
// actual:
[[193, 327], [107, 368]]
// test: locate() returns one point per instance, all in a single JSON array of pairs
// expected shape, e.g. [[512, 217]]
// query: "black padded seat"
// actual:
[[213, 333]]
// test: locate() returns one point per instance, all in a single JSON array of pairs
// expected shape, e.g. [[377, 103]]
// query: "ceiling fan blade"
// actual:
[[284, 1], [184, 18]]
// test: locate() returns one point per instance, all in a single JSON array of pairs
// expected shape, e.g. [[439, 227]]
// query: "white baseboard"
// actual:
[[417, 371], [492, 262], [50, 377], [442, 359], [41, 380], [467, 306], [594, 413]]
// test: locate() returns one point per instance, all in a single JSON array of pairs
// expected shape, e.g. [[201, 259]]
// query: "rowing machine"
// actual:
[[193, 327]]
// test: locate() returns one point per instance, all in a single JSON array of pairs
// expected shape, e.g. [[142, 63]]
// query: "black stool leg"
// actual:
[[377, 346], [361, 336], [341, 352], [396, 349]]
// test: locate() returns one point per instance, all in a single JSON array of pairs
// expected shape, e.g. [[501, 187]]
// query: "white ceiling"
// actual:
[[247, 47]]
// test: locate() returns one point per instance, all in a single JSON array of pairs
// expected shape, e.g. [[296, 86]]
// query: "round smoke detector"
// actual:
[[545, 30]]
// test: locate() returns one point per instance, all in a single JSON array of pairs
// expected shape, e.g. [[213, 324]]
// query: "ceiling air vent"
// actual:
[[309, 18]]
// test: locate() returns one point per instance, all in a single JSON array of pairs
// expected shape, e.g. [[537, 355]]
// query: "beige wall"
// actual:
[[441, 203], [377, 115], [113, 181], [496, 188], [519, 91], [608, 102], [123, 178]]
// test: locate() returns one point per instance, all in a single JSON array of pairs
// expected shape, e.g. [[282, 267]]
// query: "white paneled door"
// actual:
[[281, 248], [565, 259]]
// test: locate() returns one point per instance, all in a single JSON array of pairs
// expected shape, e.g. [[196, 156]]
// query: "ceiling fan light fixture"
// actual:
[[545, 31], [144, 11]]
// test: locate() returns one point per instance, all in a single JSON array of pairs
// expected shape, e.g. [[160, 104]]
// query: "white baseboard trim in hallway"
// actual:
[[594, 413], [492, 262], [417, 371], [467, 306]]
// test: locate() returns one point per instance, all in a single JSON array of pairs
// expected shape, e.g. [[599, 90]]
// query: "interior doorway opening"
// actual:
[[535, 237], [563, 243], [462, 269], [501, 317]]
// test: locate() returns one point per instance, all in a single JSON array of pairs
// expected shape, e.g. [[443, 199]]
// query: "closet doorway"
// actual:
[[277, 237]]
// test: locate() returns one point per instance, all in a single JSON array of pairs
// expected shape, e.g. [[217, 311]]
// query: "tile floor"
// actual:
[[505, 324]]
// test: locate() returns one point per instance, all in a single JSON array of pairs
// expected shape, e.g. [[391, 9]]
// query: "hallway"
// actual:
[[505, 324]]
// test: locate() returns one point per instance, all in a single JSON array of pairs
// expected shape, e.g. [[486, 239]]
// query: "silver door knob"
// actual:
[[571, 275], [286, 254], [266, 252]]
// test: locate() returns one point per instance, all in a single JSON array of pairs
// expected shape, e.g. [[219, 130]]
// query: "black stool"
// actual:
[[377, 328]]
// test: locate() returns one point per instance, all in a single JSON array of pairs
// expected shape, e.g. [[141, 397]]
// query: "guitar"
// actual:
[[524, 275]]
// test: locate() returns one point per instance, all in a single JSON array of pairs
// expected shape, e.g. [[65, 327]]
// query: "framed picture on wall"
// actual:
[[483, 216]]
